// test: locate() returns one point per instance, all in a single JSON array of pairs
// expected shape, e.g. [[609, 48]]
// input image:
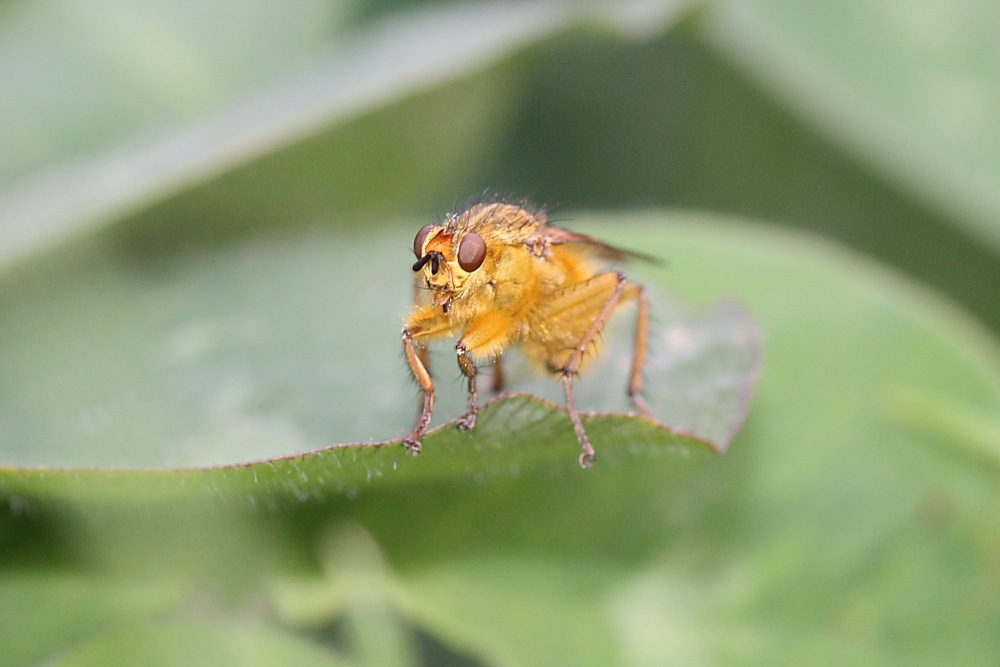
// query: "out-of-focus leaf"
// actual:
[[44, 612], [388, 61], [80, 78], [977, 433], [181, 643], [912, 87]]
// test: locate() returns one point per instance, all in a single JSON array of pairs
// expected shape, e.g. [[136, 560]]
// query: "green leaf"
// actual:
[[914, 88], [282, 345]]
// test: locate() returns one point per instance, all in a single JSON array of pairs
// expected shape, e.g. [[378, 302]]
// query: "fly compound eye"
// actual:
[[471, 252], [418, 240]]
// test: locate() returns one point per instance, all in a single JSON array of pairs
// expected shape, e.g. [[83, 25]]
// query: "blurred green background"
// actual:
[[205, 216]]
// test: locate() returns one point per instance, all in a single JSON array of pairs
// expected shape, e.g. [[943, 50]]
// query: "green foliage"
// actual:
[[205, 265]]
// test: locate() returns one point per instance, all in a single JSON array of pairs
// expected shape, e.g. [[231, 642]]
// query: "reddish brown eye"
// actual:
[[471, 252], [418, 241]]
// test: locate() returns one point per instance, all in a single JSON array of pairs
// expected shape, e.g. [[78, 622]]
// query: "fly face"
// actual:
[[447, 260]]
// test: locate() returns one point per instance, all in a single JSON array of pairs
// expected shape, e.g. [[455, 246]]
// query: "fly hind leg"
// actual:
[[572, 364], [633, 290], [498, 378], [601, 293]]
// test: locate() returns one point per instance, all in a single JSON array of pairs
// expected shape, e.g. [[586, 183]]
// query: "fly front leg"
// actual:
[[484, 339], [416, 358], [424, 323]]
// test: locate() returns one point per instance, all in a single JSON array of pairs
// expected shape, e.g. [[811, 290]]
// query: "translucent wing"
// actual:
[[588, 245]]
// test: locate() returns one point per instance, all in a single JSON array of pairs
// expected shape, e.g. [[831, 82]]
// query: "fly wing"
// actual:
[[588, 245]]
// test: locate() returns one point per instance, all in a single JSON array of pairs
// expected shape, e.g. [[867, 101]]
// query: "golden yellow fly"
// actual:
[[499, 275]]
